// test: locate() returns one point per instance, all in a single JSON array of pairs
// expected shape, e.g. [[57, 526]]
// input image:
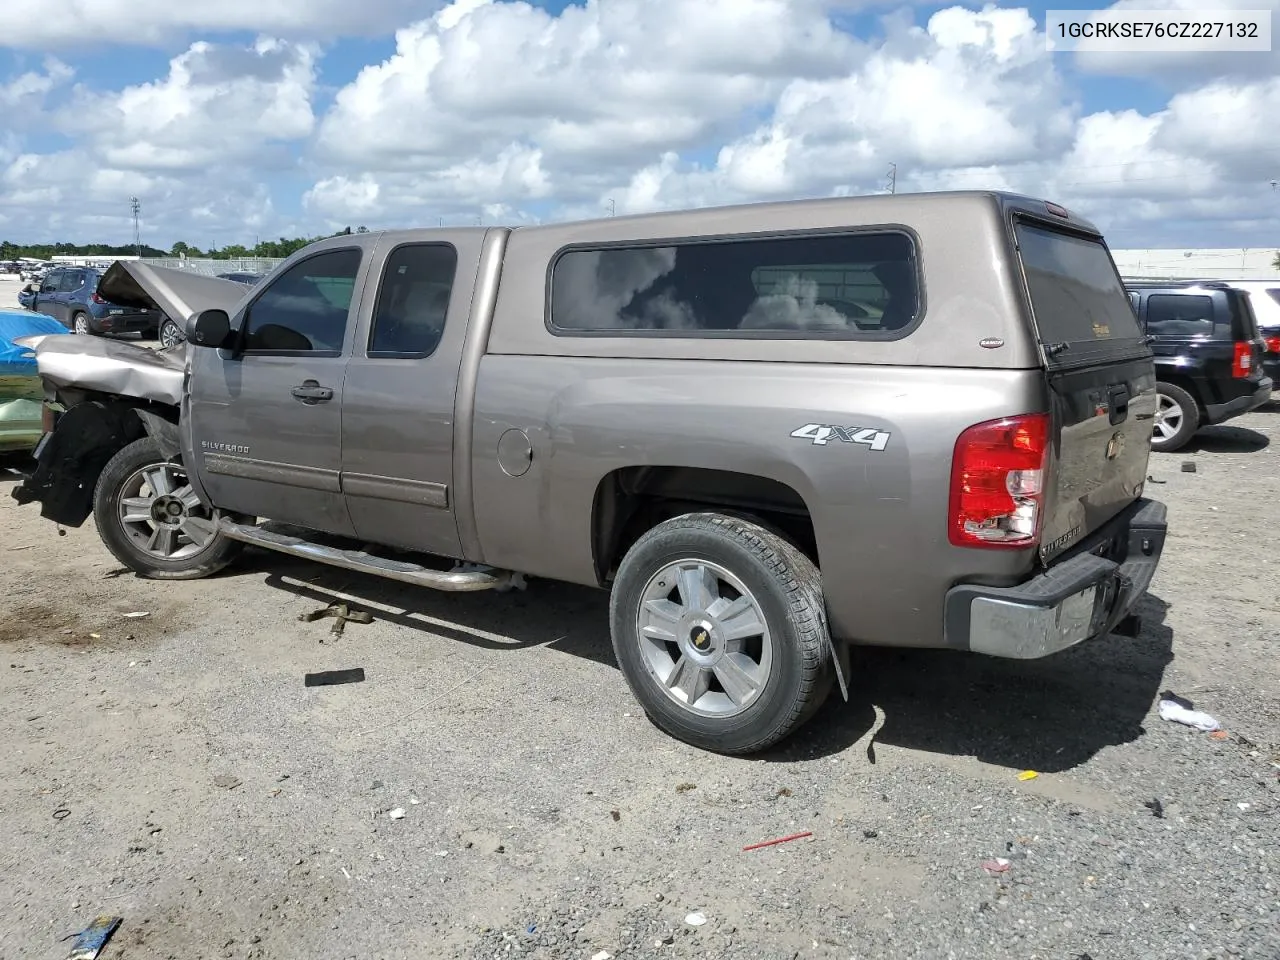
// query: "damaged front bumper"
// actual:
[[1077, 599]]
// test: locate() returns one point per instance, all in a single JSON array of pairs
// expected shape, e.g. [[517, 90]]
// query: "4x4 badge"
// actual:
[[821, 434]]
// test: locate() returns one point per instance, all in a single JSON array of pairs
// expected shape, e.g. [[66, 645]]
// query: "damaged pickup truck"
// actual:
[[771, 431]]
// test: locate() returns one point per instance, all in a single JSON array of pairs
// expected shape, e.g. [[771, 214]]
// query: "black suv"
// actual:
[[1208, 355]]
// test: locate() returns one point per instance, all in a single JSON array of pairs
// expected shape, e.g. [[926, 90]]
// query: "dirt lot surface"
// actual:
[[174, 770]]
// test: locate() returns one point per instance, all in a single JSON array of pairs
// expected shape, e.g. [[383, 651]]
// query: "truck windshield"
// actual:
[[1076, 295]]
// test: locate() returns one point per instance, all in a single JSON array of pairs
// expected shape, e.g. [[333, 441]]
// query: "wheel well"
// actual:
[[630, 501], [1187, 384], [92, 431]]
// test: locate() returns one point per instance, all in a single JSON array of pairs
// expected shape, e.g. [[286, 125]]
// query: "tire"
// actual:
[[783, 593], [80, 324], [115, 495], [1177, 418], [169, 333]]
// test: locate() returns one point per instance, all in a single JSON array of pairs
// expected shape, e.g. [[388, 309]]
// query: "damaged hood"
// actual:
[[112, 366], [177, 293]]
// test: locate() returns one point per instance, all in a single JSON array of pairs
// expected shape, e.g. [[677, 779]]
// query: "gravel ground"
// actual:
[[174, 771]]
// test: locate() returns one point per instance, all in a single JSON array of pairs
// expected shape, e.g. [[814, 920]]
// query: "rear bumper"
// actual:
[[126, 322], [1077, 599], [1218, 412]]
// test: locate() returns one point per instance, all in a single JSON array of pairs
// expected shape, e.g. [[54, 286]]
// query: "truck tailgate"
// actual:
[[1100, 378]]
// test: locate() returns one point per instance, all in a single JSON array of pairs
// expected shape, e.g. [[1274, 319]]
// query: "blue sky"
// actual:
[[647, 103]]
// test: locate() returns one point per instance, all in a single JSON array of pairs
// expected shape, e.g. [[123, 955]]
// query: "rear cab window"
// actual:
[[1079, 305]]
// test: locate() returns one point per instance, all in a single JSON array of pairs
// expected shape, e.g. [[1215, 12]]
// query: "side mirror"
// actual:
[[209, 328]]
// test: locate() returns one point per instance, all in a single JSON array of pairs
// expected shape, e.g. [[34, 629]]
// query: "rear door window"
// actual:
[[1179, 315], [413, 301], [1077, 297], [1274, 293]]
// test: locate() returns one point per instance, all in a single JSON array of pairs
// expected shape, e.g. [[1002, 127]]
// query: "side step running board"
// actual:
[[466, 578]]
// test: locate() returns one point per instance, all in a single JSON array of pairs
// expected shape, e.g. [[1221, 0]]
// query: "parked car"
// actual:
[[248, 278], [27, 296], [1264, 297], [1208, 355], [677, 407], [21, 392], [70, 294]]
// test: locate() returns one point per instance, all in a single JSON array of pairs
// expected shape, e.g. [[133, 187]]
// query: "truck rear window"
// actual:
[[1076, 295]]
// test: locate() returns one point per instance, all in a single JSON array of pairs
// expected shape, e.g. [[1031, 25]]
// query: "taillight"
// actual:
[[1273, 344], [97, 299], [998, 475], [1242, 362]]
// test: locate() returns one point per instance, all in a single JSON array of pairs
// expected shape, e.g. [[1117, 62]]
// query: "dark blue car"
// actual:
[[70, 294]]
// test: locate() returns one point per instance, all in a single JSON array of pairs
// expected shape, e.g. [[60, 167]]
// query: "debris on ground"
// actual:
[[686, 787], [1028, 775], [91, 940], [226, 781], [602, 955], [1188, 467], [1156, 808], [396, 814], [1219, 735], [784, 792], [771, 843], [696, 919], [1180, 710], [342, 615], [1152, 479], [329, 678], [996, 866], [616, 814], [62, 813], [136, 615]]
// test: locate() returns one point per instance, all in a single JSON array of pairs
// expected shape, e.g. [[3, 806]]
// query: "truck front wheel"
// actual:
[[151, 520], [720, 630]]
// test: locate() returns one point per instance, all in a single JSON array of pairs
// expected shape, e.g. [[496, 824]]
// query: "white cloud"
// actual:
[[23, 97], [218, 105], [50, 24], [501, 111], [192, 146]]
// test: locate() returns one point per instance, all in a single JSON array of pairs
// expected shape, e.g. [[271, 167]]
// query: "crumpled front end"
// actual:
[[112, 366]]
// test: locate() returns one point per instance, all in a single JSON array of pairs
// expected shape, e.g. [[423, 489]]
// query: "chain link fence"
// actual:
[[212, 268]]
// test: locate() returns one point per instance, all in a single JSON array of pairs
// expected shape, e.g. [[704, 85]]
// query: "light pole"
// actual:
[[893, 178], [136, 205], [613, 209]]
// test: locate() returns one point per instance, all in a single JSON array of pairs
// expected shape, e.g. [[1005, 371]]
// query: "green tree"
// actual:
[[1276, 262]]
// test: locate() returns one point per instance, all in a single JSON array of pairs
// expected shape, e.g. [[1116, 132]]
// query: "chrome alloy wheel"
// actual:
[[1169, 417], [161, 515], [703, 637]]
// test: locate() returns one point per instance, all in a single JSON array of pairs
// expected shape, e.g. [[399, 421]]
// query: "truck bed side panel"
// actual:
[[876, 512]]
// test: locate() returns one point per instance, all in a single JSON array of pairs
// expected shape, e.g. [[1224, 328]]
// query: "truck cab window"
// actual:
[[306, 308], [413, 300]]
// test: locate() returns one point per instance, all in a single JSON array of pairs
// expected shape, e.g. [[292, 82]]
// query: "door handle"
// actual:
[[312, 392]]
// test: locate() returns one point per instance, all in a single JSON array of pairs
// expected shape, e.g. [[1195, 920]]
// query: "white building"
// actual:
[[1226, 264]]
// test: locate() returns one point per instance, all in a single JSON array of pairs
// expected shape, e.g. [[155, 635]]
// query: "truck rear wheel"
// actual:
[[720, 630], [151, 521]]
